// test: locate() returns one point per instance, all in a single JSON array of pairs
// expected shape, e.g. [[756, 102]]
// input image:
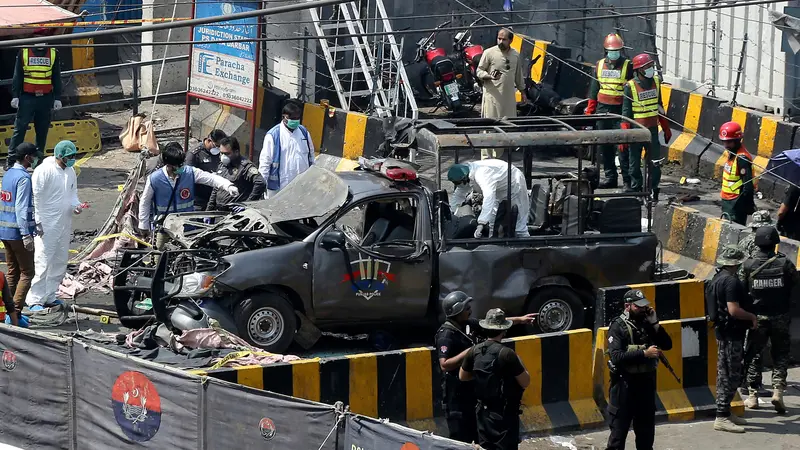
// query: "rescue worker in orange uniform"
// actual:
[[36, 92], [605, 96], [643, 104], [738, 193]]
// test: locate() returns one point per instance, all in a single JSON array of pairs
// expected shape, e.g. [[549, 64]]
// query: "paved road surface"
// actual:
[[767, 430]]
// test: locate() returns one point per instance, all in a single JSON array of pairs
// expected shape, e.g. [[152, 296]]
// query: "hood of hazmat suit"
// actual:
[[490, 178], [55, 197]]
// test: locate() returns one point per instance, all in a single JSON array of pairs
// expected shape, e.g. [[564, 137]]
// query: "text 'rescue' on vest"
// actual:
[[274, 179], [645, 102], [769, 285], [37, 71], [9, 228], [612, 82], [169, 199], [732, 175]]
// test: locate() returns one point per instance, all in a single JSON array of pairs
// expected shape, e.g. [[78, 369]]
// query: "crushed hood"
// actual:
[[316, 192]]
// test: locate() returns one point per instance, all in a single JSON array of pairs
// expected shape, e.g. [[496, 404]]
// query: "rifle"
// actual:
[[666, 363]]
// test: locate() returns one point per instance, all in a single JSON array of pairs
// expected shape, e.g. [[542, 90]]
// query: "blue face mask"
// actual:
[[614, 55], [180, 170], [70, 162], [292, 124]]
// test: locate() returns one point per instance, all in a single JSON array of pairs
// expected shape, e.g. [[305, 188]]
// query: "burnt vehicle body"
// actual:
[[379, 247]]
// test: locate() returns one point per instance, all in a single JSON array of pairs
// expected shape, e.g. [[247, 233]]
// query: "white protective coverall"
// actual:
[[55, 197], [489, 177]]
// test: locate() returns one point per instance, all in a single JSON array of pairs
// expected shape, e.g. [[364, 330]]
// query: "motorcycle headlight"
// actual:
[[196, 284]]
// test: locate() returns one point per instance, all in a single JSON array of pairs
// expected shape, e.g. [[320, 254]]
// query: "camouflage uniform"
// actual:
[[778, 328], [749, 247], [730, 359]]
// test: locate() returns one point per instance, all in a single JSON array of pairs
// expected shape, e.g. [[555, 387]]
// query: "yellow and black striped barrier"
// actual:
[[674, 300], [404, 386], [85, 134], [693, 357]]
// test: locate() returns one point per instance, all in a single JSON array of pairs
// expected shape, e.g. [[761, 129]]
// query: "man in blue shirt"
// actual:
[[16, 222]]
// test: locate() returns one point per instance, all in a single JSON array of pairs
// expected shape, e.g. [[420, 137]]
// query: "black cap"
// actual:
[[25, 149], [636, 297], [767, 236]]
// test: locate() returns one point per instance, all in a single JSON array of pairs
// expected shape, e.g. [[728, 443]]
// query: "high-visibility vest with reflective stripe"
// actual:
[[37, 71], [645, 102], [2, 300], [732, 176], [9, 229], [163, 191], [612, 82]]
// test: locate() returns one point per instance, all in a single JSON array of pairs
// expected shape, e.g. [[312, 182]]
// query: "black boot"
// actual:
[[626, 185], [608, 183], [655, 195]]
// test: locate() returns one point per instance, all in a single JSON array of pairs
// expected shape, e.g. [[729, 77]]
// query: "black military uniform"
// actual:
[[632, 397], [205, 160], [769, 277], [246, 177], [459, 396], [495, 368]]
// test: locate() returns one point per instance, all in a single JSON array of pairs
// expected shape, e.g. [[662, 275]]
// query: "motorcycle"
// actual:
[[543, 100], [442, 70], [468, 56]]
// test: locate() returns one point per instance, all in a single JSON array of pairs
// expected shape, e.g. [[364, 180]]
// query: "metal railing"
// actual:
[[135, 98]]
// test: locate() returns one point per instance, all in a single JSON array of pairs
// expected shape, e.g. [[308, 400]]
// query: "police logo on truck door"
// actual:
[[369, 277]]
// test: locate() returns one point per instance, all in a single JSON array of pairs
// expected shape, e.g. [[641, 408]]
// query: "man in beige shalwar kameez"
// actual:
[[501, 73]]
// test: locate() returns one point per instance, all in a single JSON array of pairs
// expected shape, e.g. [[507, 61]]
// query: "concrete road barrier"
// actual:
[[404, 386], [693, 357], [672, 300]]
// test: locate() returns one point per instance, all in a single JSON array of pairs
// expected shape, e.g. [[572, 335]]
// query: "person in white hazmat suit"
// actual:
[[490, 178], [55, 200]]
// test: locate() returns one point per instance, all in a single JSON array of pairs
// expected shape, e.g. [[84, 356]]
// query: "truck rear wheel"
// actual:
[[266, 320], [559, 309]]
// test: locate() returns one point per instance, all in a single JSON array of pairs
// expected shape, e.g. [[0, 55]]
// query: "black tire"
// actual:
[[261, 313], [550, 303]]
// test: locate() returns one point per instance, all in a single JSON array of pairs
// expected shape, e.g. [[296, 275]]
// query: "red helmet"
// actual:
[[730, 131], [613, 42], [641, 60]]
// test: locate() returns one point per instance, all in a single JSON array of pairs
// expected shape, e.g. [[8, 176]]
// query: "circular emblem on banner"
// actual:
[[409, 446], [227, 8], [185, 193], [136, 405], [267, 427], [9, 360]]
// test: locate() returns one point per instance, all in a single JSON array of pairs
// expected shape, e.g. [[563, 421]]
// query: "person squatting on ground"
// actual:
[[55, 201], [770, 278], [171, 188], [17, 227], [500, 379], [490, 178], [453, 341], [605, 96], [727, 304], [635, 342]]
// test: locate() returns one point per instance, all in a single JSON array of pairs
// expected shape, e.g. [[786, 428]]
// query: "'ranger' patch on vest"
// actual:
[[648, 95], [39, 60], [609, 73], [769, 283]]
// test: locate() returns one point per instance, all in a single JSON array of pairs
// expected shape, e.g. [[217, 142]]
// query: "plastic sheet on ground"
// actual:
[[370, 434], [252, 418], [122, 403], [34, 390]]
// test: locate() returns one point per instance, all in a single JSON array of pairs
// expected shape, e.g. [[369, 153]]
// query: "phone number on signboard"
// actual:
[[228, 95]]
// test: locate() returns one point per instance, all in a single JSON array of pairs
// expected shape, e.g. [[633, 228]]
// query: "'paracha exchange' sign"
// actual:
[[225, 72]]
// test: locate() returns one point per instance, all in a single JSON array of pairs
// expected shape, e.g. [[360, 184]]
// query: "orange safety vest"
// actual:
[[732, 176], [2, 303], [612, 82], [645, 102], [37, 72]]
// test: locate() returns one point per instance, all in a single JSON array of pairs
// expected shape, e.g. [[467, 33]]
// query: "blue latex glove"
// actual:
[[237, 209], [208, 221], [508, 5], [23, 321]]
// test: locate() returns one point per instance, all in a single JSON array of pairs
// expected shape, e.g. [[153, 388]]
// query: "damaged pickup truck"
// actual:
[[379, 246]]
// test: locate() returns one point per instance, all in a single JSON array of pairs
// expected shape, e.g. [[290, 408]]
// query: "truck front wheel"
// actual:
[[559, 309], [266, 320]]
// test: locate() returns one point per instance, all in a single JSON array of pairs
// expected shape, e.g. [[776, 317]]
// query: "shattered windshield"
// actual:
[[316, 193]]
